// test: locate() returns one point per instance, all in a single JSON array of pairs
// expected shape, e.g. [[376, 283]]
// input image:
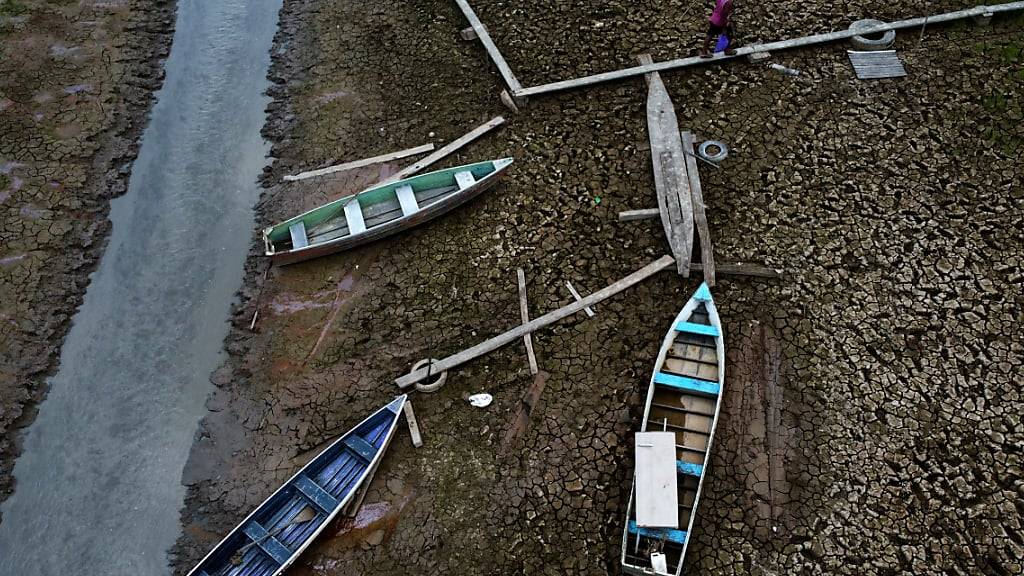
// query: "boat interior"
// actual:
[[282, 524], [686, 388]]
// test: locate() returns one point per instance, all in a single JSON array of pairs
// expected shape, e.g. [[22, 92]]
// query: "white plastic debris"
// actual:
[[481, 400], [659, 563]]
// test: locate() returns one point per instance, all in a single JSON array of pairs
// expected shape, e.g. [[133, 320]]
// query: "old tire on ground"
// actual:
[[716, 157], [437, 380], [883, 41]]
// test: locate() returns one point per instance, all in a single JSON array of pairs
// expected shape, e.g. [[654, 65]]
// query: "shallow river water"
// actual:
[[99, 480]]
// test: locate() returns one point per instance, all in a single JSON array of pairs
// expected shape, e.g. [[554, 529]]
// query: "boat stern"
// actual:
[[398, 403], [502, 163], [703, 293]]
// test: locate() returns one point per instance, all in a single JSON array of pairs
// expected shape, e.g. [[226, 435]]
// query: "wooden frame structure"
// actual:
[[520, 93]]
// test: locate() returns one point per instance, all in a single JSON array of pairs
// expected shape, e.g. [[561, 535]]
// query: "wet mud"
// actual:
[[76, 85], [871, 418]]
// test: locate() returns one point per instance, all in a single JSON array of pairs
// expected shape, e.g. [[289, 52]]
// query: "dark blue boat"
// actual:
[[281, 528]]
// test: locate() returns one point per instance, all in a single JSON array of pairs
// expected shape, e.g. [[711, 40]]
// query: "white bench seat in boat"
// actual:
[[464, 179], [407, 199], [298, 231]]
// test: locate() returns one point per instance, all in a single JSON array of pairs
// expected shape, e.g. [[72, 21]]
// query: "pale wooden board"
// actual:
[[524, 313], [360, 163], [576, 295], [414, 427], [699, 217], [354, 217], [657, 492], [769, 47], [549, 318], [644, 214], [492, 50], [669, 164], [451, 147], [407, 200]]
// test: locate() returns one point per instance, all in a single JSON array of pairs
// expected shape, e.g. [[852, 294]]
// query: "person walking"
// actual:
[[719, 23]]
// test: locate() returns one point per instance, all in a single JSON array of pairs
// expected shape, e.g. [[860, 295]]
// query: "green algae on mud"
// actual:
[[890, 212]]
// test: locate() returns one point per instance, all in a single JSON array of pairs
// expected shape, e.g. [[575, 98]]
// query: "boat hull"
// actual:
[[275, 534], [424, 214], [684, 397]]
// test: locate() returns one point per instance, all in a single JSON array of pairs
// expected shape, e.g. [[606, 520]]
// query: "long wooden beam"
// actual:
[[448, 149], [492, 50], [551, 317], [769, 47], [359, 163], [700, 219], [743, 269]]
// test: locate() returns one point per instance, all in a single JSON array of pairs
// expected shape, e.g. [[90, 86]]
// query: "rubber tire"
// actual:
[[428, 388], [861, 43], [723, 151]]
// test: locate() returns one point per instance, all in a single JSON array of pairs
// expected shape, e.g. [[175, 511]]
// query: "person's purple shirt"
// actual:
[[720, 16]]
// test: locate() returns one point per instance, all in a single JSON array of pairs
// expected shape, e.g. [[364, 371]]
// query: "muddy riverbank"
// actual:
[[76, 85], [871, 416]]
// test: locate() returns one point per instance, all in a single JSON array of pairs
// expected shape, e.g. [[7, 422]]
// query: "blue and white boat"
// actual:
[[684, 397], [273, 536]]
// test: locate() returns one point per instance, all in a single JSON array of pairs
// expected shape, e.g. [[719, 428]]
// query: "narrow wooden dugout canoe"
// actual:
[[271, 538], [379, 211], [684, 397]]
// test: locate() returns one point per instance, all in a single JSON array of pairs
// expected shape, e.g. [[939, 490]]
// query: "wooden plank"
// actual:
[[524, 313], [769, 47], [414, 427], [669, 163], [551, 317], [644, 214], [657, 494], [576, 295], [445, 151], [360, 163], [700, 218], [492, 50], [743, 269], [464, 179]]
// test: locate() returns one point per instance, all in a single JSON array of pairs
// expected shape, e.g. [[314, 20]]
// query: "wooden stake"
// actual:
[[551, 317], [524, 313]]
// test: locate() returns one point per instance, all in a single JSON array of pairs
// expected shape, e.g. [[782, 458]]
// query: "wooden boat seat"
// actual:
[[269, 544], [354, 217], [689, 468], [315, 494], [407, 199], [360, 447], [669, 534], [298, 231], [685, 384], [701, 329], [464, 179]]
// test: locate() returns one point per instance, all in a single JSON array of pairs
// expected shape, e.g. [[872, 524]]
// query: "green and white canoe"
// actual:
[[379, 211]]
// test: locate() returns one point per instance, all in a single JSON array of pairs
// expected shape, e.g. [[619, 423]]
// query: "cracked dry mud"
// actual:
[[871, 422], [76, 80]]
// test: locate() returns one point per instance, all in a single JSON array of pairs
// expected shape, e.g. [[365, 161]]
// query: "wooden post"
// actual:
[[492, 50], [644, 214], [524, 313]]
